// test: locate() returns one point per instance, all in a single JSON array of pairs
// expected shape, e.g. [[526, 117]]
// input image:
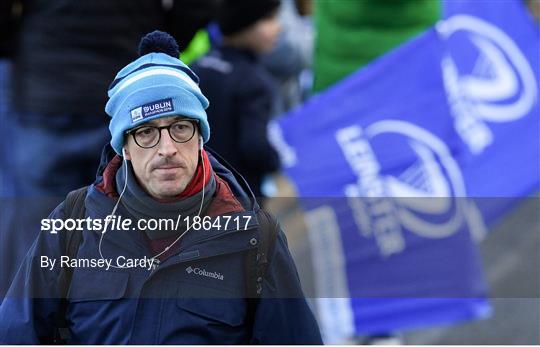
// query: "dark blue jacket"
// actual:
[[167, 305], [242, 97]]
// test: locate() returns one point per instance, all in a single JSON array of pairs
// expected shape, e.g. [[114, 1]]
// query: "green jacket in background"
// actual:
[[351, 33]]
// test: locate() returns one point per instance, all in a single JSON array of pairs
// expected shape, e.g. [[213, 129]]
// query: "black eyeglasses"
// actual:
[[149, 136]]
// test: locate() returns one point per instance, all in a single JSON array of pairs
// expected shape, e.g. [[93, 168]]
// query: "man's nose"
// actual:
[[166, 144]]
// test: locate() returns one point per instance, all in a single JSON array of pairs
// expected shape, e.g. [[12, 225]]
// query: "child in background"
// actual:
[[240, 90]]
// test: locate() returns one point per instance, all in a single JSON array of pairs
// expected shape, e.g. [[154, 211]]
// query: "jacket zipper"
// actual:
[[157, 262]]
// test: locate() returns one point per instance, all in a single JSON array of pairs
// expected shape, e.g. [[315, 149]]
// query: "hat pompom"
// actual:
[[159, 42]]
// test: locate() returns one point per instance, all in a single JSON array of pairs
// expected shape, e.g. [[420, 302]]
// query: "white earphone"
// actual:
[[201, 143]]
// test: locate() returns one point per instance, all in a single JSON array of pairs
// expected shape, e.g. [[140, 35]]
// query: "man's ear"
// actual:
[[125, 151]]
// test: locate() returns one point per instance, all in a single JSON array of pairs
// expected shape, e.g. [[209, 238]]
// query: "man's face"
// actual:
[[164, 170]]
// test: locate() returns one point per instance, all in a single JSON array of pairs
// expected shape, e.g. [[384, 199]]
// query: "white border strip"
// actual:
[[154, 72]]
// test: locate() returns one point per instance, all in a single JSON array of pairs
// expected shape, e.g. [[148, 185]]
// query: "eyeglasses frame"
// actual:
[[160, 128]]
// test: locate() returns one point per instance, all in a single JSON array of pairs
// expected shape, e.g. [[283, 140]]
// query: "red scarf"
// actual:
[[195, 185]]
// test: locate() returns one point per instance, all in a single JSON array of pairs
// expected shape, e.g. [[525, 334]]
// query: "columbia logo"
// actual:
[[202, 272]]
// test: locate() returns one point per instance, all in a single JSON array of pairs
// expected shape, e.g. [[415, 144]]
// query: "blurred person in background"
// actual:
[[63, 54], [292, 56], [241, 91], [289, 63], [350, 34]]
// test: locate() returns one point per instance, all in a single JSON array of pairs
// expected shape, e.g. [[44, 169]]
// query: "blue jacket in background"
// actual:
[[166, 305], [242, 98]]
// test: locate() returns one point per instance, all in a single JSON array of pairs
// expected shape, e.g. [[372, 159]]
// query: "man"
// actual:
[[188, 283], [61, 55]]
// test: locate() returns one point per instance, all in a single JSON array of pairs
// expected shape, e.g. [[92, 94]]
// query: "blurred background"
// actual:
[[426, 110]]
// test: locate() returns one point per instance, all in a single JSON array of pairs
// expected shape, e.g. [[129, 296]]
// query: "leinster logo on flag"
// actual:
[[487, 80], [422, 192]]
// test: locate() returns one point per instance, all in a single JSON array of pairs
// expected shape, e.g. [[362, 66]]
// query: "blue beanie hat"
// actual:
[[158, 84]]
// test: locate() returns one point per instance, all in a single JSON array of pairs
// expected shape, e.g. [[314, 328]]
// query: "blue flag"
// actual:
[[491, 73], [385, 161]]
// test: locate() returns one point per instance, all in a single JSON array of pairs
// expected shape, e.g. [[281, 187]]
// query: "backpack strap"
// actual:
[[269, 228], [69, 243], [257, 261]]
